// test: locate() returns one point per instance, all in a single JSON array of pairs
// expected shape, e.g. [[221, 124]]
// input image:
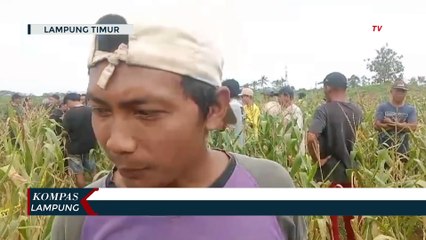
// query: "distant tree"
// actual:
[[421, 79], [263, 81], [387, 65], [254, 85], [247, 85], [365, 80], [354, 81], [301, 95], [413, 81]]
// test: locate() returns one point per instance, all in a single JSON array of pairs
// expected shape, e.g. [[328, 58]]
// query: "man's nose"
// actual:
[[121, 140]]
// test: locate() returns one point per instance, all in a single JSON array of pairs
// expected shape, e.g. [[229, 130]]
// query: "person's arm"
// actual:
[[67, 122], [380, 121], [256, 117], [317, 127], [410, 125]]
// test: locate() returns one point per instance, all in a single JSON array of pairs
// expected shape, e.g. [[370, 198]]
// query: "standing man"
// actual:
[[77, 123], [16, 106], [83, 99], [237, 108], [251, 110], [395, 119], [291, 113], [331, 139], [152, 111], [271, 107]]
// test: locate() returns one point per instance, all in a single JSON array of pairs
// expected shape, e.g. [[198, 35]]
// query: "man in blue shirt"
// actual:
[[395, 119]]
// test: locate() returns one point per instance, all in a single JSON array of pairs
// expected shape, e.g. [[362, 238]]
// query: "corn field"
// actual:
[[35, 160]]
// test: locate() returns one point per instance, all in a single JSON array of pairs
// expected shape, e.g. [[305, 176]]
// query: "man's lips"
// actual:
[[132, 172]]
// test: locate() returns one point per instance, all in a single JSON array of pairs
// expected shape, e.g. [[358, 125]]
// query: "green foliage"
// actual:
[[387, 65], [36, 160]]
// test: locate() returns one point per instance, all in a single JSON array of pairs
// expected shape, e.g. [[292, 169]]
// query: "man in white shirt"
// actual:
[[237, 108], [291, 112], [271, 107]]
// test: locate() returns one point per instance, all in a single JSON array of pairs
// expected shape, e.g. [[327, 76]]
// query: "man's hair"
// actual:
[[16, 96], [55, 96], [203, 94], [75, 97]]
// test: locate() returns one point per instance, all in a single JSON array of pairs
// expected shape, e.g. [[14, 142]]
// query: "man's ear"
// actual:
[[217, 113]]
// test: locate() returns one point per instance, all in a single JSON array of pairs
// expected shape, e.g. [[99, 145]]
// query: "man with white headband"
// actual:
[[155, 95]]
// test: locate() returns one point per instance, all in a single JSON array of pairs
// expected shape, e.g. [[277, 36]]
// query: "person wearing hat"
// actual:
[[331, 138], [395, 119], [251, 110], [237, 108], [155, 94], [291, 113], [271, 107]]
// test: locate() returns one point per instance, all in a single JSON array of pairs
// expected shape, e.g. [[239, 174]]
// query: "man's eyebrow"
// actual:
[[121, 104], [90, 97]]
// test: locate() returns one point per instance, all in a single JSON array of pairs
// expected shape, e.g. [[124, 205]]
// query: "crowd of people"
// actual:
[[151, 113]]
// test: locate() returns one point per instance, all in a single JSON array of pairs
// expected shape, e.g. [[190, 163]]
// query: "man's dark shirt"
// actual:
[[336, 124], [56, 115], [77, 123]]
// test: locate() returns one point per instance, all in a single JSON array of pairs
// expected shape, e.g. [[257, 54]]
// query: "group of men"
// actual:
[[154, 97], [74, 122], [248, 113]]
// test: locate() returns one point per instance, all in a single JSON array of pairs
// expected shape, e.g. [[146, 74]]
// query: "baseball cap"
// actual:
[[287, 90], [399, 84], [247, 92], [233, 86], [335, 79], [165, 47]]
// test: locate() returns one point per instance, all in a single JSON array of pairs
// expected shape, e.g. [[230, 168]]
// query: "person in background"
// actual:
[[291, 113], [77, 123], [251, 110], [153, 119], [237, 108], [16, 106], [27, 104], [56, 113], [395, 119], [271, 107], [83, 99], [331, 139]]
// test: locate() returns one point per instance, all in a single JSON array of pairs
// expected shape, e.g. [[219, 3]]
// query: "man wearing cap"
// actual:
[[251, 110], [395, 119], [291, 113], [237, 109], [155, 95], [331, 139], [271, 107]]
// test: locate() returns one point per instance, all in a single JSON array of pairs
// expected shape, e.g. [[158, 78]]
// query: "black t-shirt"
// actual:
[[336, 124], [77, 123]]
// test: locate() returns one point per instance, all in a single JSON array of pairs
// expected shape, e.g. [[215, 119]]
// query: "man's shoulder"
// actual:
[[409, 107], [266, 172]]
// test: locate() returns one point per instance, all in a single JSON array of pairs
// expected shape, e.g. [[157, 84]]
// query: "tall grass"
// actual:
[[35, 159]]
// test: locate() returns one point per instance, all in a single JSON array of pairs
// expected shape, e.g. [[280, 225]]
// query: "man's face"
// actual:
[[246, 99], [284, 99], [149, 128], [398, 95], [17, 101]]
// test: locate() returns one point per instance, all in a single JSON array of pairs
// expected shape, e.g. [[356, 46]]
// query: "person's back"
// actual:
[[238, 110], [338, 137], [78, 124]]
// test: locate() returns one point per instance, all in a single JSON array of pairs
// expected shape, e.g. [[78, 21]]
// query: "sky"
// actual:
[[257, 37]]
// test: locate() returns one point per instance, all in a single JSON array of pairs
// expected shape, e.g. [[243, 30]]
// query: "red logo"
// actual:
[[377, 27]]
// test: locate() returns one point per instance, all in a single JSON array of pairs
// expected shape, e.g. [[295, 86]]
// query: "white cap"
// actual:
[[167, 48]]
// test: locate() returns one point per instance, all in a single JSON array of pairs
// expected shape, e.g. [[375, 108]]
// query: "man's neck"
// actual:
[[209, 168], [397, 104], [288, 104]]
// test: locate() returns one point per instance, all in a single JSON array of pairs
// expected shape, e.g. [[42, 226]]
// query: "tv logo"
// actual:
[[377, 27]]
